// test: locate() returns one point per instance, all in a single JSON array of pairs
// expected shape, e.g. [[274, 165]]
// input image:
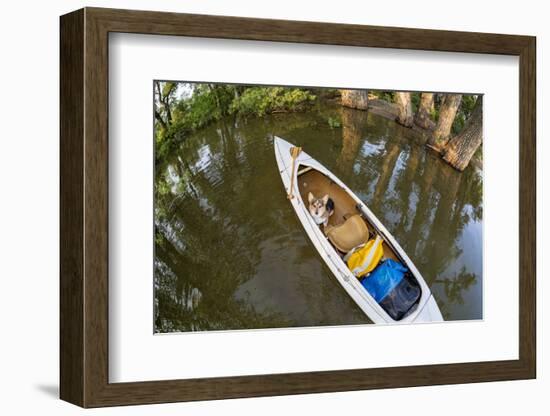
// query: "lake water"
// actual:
[[230, 252]]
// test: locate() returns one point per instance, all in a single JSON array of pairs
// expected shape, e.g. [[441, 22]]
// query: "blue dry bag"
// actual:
[[384, 279]]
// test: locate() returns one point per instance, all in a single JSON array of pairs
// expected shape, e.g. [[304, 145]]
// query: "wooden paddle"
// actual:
[[294, 153]]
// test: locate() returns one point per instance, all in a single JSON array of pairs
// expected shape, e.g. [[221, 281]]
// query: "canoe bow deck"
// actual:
[[310, 176]]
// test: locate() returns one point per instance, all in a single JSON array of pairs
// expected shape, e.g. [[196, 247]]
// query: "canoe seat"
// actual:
[[352, 233]]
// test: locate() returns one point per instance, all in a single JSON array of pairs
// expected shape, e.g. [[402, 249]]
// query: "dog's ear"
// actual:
[[325, 199], [310, 198]]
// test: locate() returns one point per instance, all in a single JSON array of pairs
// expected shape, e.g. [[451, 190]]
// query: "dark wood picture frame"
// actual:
[[84, 207]]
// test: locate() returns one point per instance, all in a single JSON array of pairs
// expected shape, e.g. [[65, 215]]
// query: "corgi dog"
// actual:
[[320, 208]]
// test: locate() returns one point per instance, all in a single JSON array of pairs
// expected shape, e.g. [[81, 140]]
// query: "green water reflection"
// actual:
[[231, 254]]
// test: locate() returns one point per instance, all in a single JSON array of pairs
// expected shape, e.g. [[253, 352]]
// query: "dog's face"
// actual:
[[317, 206]]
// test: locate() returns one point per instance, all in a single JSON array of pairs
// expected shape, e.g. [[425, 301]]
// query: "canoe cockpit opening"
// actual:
[[362, 246]]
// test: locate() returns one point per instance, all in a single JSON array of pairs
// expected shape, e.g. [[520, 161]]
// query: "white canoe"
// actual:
[[309, 176]]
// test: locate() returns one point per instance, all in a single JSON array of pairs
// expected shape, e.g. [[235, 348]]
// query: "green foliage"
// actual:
[[168, 88], [458, 123], [466, 107], [258, 101], [415, 101], [388, 96], [468, 104], [334, 122], [163, 142], [207, 104], [326, 93], [162, 188], [465, 110], [210, 102], [434, 113]]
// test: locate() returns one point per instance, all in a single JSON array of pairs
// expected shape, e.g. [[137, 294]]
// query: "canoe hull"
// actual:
[[426, 310]]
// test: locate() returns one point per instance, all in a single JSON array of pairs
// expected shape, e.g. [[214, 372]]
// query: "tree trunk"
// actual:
[[423, 118], [405, 115], [358, 99], [163, 98], [462, 147], [447, 113], [161, 121]]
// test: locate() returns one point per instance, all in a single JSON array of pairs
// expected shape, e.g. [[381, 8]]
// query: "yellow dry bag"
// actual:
[[364, 259]]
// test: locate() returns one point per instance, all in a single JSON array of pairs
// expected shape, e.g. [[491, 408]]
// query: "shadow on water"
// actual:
[[231, 254]]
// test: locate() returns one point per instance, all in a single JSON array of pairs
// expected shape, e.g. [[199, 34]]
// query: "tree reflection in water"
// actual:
[[230, 253]]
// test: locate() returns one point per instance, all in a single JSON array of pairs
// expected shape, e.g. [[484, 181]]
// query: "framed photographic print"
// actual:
[[261, 207]]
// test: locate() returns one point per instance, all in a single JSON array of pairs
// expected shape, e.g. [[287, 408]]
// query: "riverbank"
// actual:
[[182, 109], [390, 111]]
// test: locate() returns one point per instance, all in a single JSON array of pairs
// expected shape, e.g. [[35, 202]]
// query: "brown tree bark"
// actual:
[[422, 117], [358, 99], [405, 116], [447, 114], [459, 150]]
